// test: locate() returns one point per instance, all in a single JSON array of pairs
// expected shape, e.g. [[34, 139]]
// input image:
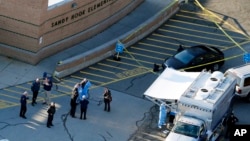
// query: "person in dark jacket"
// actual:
[[107, 99], [181, 48], [47, 86], [35, 87], [23, 102], [51, 111], [84, 106], [73, 101], [231, 120]]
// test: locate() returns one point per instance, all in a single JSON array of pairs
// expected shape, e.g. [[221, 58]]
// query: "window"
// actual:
[[185, 56], [55, 3], [247, 81]]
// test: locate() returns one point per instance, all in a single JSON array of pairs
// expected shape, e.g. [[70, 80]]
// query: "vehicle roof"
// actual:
[[170, 78], [240, 71], [207, 89]]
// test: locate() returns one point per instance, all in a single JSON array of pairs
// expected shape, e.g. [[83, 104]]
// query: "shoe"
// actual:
[[84, 118], [35, 102], [32, 104], [159, 127], [51, 125], [48, 126], [24, 117]]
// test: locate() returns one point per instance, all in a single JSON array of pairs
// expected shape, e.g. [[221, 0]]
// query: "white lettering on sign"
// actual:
[[240, 132]]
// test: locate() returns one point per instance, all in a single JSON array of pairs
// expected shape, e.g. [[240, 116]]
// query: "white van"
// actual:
[[242, 74]]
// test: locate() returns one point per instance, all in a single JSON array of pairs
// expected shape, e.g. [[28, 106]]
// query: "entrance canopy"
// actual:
[[171, 84]]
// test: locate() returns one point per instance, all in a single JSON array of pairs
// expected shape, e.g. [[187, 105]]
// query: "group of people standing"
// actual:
[[35, 88], [80, 96]]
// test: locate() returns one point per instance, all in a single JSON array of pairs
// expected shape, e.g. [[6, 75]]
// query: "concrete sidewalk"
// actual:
[[13, 72]]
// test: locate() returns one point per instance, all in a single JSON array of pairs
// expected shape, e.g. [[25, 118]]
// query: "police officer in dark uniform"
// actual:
[[35, 87], [23, 102], [51, 111]]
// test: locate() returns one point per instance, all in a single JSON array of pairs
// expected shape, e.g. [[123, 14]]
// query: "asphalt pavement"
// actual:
[[127, 112]]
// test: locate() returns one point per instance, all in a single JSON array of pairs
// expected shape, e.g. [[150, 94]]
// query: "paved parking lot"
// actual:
[[130, 77]]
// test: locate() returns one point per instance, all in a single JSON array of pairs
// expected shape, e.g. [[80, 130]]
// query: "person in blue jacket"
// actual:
[[35, 87], [162, 115]]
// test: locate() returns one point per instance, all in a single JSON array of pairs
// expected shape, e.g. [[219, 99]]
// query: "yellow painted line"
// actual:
[[146, 56], [120, 62], [192, 18], [196, 36], [187, 29], [187, 40], [64, 85], [7, 104], [101, 70], [111, 66], [160, 47], [91, 80], [10, 90], [228, 58], [93, 74], [150, 51], [194, 24], [117, 80], [221, 20], [14, 97], [197, 3], [235, 46], [21, 87], [142, 61], [136, 60], [69, 81]]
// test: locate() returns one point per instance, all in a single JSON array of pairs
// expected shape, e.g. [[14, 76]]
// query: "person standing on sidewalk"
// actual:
[[51, 111], [23, 102], [84, 106], [35, 87], [107, 99], [73, 101], [47, 86]]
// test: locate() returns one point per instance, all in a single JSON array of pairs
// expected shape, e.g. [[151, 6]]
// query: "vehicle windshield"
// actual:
[[186, 129], [185, 56]]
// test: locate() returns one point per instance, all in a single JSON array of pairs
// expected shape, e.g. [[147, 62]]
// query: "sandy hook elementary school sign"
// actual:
[[81, 13]]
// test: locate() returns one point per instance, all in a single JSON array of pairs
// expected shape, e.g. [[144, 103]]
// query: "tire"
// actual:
[[248, 98]]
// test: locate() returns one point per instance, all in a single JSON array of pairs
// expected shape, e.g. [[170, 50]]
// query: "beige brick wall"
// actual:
[[27, 23]]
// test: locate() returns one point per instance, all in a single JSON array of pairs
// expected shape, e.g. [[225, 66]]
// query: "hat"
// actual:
[[52, 103], [83, 97]]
